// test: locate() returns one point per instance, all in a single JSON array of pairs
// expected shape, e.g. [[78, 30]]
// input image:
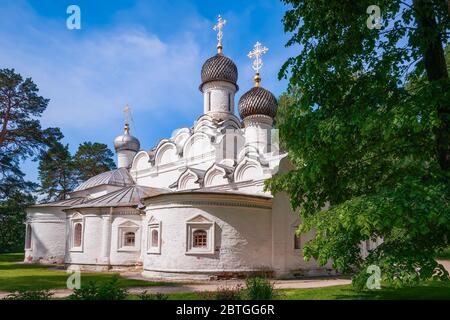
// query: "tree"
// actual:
[[92, 159], [12, 218], [57, 172], [368, 133], [21, 137]]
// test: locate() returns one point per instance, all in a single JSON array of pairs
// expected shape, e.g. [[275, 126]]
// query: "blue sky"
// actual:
[[146, 53]]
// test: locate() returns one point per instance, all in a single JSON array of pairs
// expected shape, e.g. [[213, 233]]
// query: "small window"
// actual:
[[209, 101], [77, 235], [200, 239], [155, 238], [130, 239], [200, 236], [297, 241], [29, 232], [229, 102]]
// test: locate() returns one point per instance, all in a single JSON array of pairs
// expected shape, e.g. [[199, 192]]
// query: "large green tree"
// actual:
[[21, 137], [367, 129], [92, 159], [57, 172]]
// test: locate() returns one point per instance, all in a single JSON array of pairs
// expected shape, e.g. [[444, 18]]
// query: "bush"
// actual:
[[30, 295], [228, 293], [153, 296], [105, 291], [259, 289]]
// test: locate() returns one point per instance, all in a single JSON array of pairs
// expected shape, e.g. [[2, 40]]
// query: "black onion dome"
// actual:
[[219, 68], [258, 101]]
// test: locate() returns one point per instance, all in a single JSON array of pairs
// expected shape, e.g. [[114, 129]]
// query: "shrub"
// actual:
[[30, 295], [229, 293], [259, 289], [153, 296], [105, 291]]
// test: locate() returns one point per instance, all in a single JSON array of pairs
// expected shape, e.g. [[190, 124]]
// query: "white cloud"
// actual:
[[90, 75]]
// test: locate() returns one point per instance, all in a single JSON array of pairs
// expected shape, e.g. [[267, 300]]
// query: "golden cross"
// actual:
[[218, 27], [127, 110], [256, 53]]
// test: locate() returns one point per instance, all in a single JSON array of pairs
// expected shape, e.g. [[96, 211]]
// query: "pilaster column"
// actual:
[[106, 237]]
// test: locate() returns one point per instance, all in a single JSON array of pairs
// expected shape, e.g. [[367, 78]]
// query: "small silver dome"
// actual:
[[219, 68], [126, 142], [258, 101]]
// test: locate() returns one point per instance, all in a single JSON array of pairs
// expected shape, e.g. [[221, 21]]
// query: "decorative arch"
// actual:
[[218, 175], [181, 135], [141, 161], [190, 179], [197, 145], [248, 169], [166, 153]]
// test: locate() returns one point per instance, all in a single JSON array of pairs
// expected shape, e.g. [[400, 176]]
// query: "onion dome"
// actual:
[[258, 101], [126, 141], [219, 68]]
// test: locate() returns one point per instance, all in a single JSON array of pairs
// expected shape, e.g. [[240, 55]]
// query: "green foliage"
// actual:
[[30, 295], [258, 288], [152, 296], [12, 218], [57, 172], [104, 291], [21, 137], [366, 126], [60, 173], [92, 159], [228, 293]]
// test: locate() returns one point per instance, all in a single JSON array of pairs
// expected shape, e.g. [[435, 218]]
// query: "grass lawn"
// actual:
[[17, 276], [429, 291]]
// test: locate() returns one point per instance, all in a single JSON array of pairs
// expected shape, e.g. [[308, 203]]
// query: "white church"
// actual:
[[193, 206]]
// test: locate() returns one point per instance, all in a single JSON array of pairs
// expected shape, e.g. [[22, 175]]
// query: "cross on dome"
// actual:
[[218, 27], [127, 110], [257, 53]]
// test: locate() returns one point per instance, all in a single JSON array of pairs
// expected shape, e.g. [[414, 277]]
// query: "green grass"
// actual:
[[428, 291], [425, 291], [15, 275]]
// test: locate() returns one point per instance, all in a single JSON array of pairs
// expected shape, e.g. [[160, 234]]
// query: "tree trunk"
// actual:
[[436, 69]]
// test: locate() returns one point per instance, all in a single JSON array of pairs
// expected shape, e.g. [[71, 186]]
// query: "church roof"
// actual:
[[61, 203], [219, 68], [125, 197], [118, 177], [258, 101]]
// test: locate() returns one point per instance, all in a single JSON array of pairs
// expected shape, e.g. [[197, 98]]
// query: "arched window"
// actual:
[[297, 241], [77, 234], [155, 238], [130, 239], [200, 239], [29, 232]]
